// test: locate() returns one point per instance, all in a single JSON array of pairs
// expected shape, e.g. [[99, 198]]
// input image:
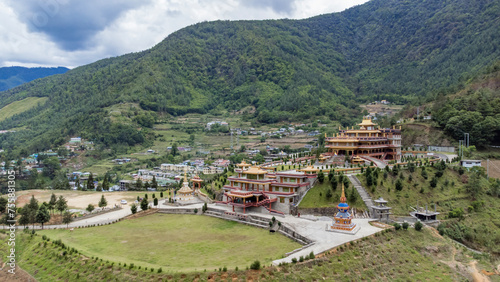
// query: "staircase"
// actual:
[[362, 192]]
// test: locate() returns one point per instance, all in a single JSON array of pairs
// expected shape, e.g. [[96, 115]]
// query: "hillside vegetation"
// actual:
[[20, 106], [468, 203], [401, 255], [321, 67]]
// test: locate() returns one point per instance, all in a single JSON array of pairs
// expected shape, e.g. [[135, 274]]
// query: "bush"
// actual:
[[294, 260], [224, 269], [418, 226], [311, 255], [405, 225], [301, 259], [255, 265], [397, 226], [195, 210]]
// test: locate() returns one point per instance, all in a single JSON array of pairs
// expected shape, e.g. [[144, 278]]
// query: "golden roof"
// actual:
[[243, 164], [309, 168], [255, 170], [367, 122]]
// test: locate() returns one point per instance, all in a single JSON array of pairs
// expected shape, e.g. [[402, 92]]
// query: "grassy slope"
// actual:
[[20, 106], [313, 199], [389, 256], [484, 224], [178, 242]]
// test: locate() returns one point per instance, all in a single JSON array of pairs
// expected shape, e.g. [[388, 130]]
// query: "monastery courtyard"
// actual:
[[311, 227]]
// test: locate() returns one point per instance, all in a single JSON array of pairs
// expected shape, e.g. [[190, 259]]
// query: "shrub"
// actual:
[[405, 225], [195, 210], [224, 269], [301, 259], [397, 226], [255, 265], [418, 226], [311, 255], [294, 260], [159, 270]]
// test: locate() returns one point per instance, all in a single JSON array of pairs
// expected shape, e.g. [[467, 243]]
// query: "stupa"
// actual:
[[185, 193], [342, 222]]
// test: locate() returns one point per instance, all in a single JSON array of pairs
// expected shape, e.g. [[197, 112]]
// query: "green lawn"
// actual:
[[20, 106], [316, 197], [178, 242]]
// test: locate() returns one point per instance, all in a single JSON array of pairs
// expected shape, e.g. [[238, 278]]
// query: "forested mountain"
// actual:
[[322, 67], [11, 77]]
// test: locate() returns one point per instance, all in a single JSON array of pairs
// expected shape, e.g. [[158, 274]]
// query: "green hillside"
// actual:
[[290, 70], [18, 107]]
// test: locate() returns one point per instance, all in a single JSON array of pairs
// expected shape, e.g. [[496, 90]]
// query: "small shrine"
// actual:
[[425, 215], [185, 193], [342, 222], [381, 211], [196, 180]]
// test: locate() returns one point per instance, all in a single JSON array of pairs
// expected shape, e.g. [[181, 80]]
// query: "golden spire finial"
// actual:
[[185, 174], [342, 197]]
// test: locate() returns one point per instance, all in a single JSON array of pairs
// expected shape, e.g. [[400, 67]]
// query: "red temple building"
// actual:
[[255, 187]]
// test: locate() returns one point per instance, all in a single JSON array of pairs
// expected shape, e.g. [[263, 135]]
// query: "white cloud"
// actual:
[[138, 28]]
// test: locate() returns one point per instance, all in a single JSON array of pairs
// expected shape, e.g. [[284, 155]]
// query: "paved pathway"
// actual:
[[361, 191], [375, 161]]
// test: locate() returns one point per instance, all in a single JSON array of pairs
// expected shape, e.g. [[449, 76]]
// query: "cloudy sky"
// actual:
[[76, 32]]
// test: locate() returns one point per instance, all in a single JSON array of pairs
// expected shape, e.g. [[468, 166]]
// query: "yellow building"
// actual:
[[369, 140]]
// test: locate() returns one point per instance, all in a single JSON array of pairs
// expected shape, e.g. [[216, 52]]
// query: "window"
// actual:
[[286, 189], [282, 200]]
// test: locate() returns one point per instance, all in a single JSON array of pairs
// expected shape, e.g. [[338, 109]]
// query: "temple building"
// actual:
[[196, 180], [255, 187], [368, 141], [342, 222]]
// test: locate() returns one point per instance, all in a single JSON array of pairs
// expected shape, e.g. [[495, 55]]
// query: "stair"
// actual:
[[362, 192]]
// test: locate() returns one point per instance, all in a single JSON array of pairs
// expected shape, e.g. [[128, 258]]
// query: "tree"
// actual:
[[67, 218], [3, 204], [138, 184], [369, 180], [405, 225], [155, 201], [161, 194], [77, 183], [102, 202], [329, 194], [418, 226], [61, 204], [321, 177], [43, 215], [105, 182], [433, 182], [353, 196], [133, 208], [24, 219], [90, 183], [51, 166], [144, 204], [334, 183], [174, 151], [399, 185], [154, 184], [32, 210], [90, 208]]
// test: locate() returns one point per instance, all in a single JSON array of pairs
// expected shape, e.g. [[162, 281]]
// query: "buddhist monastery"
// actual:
[[342, 222], [367, 141], [255, 187]]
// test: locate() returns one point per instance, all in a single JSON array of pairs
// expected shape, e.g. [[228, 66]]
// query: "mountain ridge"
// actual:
[[321, 67]]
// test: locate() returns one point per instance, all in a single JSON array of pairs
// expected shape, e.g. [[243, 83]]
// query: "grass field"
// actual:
[[404, 255], [20, 106], [178, 242]]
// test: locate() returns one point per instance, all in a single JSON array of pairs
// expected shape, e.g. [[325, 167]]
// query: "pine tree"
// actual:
[[105, 182], [32, 210], [90, 183], [67, 218], [90, 208], [52, 202], [43, 215], [61, 204], [154, 184], [144, 204], [102, 202]]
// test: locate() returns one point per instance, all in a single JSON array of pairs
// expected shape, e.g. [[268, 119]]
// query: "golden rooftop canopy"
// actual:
[[367, 122], [243, 164], [255, 170]]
